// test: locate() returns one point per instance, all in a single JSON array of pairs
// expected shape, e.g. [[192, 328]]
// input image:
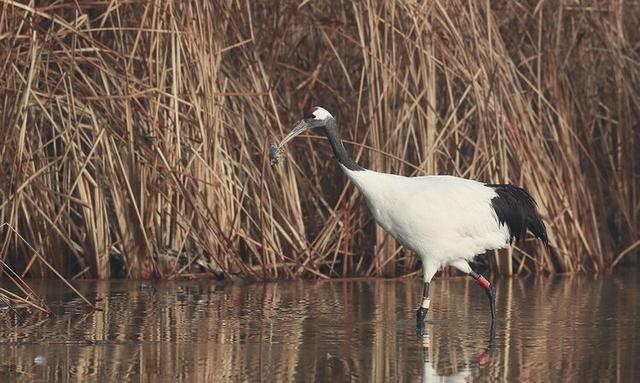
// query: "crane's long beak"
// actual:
[[275, 151], [301, 127]]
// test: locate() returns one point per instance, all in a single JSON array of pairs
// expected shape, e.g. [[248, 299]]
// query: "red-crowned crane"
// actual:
[[446, 220]]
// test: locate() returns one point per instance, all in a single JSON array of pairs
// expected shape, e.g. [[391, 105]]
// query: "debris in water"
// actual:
[[40, 360]]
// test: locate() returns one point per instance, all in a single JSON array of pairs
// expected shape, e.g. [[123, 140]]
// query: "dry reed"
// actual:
[[134, 134], [24, 296]]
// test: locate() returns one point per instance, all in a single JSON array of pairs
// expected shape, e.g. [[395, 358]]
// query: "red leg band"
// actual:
[[483, 282]]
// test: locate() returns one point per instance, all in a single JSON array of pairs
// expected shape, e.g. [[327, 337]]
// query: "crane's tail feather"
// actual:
[[516, 208]]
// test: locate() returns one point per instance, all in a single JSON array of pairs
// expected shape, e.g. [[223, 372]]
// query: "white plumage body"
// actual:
[[446, 220]]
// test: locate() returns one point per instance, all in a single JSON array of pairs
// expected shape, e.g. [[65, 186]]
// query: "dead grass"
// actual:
[[21, 295], [136, 132]]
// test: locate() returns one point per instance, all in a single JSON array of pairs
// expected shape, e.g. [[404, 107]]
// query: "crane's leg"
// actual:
[[480, 280], [421, 314], [429, 269]]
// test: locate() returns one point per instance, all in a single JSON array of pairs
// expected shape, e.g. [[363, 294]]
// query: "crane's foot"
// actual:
[[421, 315]]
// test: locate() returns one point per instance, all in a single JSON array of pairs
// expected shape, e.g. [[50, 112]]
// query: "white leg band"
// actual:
[[426, 302]]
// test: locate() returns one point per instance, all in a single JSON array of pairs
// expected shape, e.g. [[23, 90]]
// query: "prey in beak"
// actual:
[[315, 117], [276, 152]]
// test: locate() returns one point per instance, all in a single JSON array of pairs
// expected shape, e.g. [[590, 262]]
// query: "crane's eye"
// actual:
[[309, 113]]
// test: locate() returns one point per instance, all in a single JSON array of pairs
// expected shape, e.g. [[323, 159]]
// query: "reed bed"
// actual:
[[135, 133]]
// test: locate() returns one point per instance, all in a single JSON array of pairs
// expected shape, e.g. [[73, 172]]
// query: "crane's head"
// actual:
[[315, 117], [317, 114]]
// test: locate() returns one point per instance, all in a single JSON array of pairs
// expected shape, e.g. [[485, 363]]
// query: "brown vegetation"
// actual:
[[136, 132]]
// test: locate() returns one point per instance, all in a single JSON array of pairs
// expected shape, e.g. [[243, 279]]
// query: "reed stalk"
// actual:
[[135, 134]]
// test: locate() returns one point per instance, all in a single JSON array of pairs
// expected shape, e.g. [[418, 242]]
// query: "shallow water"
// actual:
[[560, 329]]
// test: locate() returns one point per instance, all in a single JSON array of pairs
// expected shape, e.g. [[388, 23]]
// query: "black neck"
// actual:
[[331, 131]]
